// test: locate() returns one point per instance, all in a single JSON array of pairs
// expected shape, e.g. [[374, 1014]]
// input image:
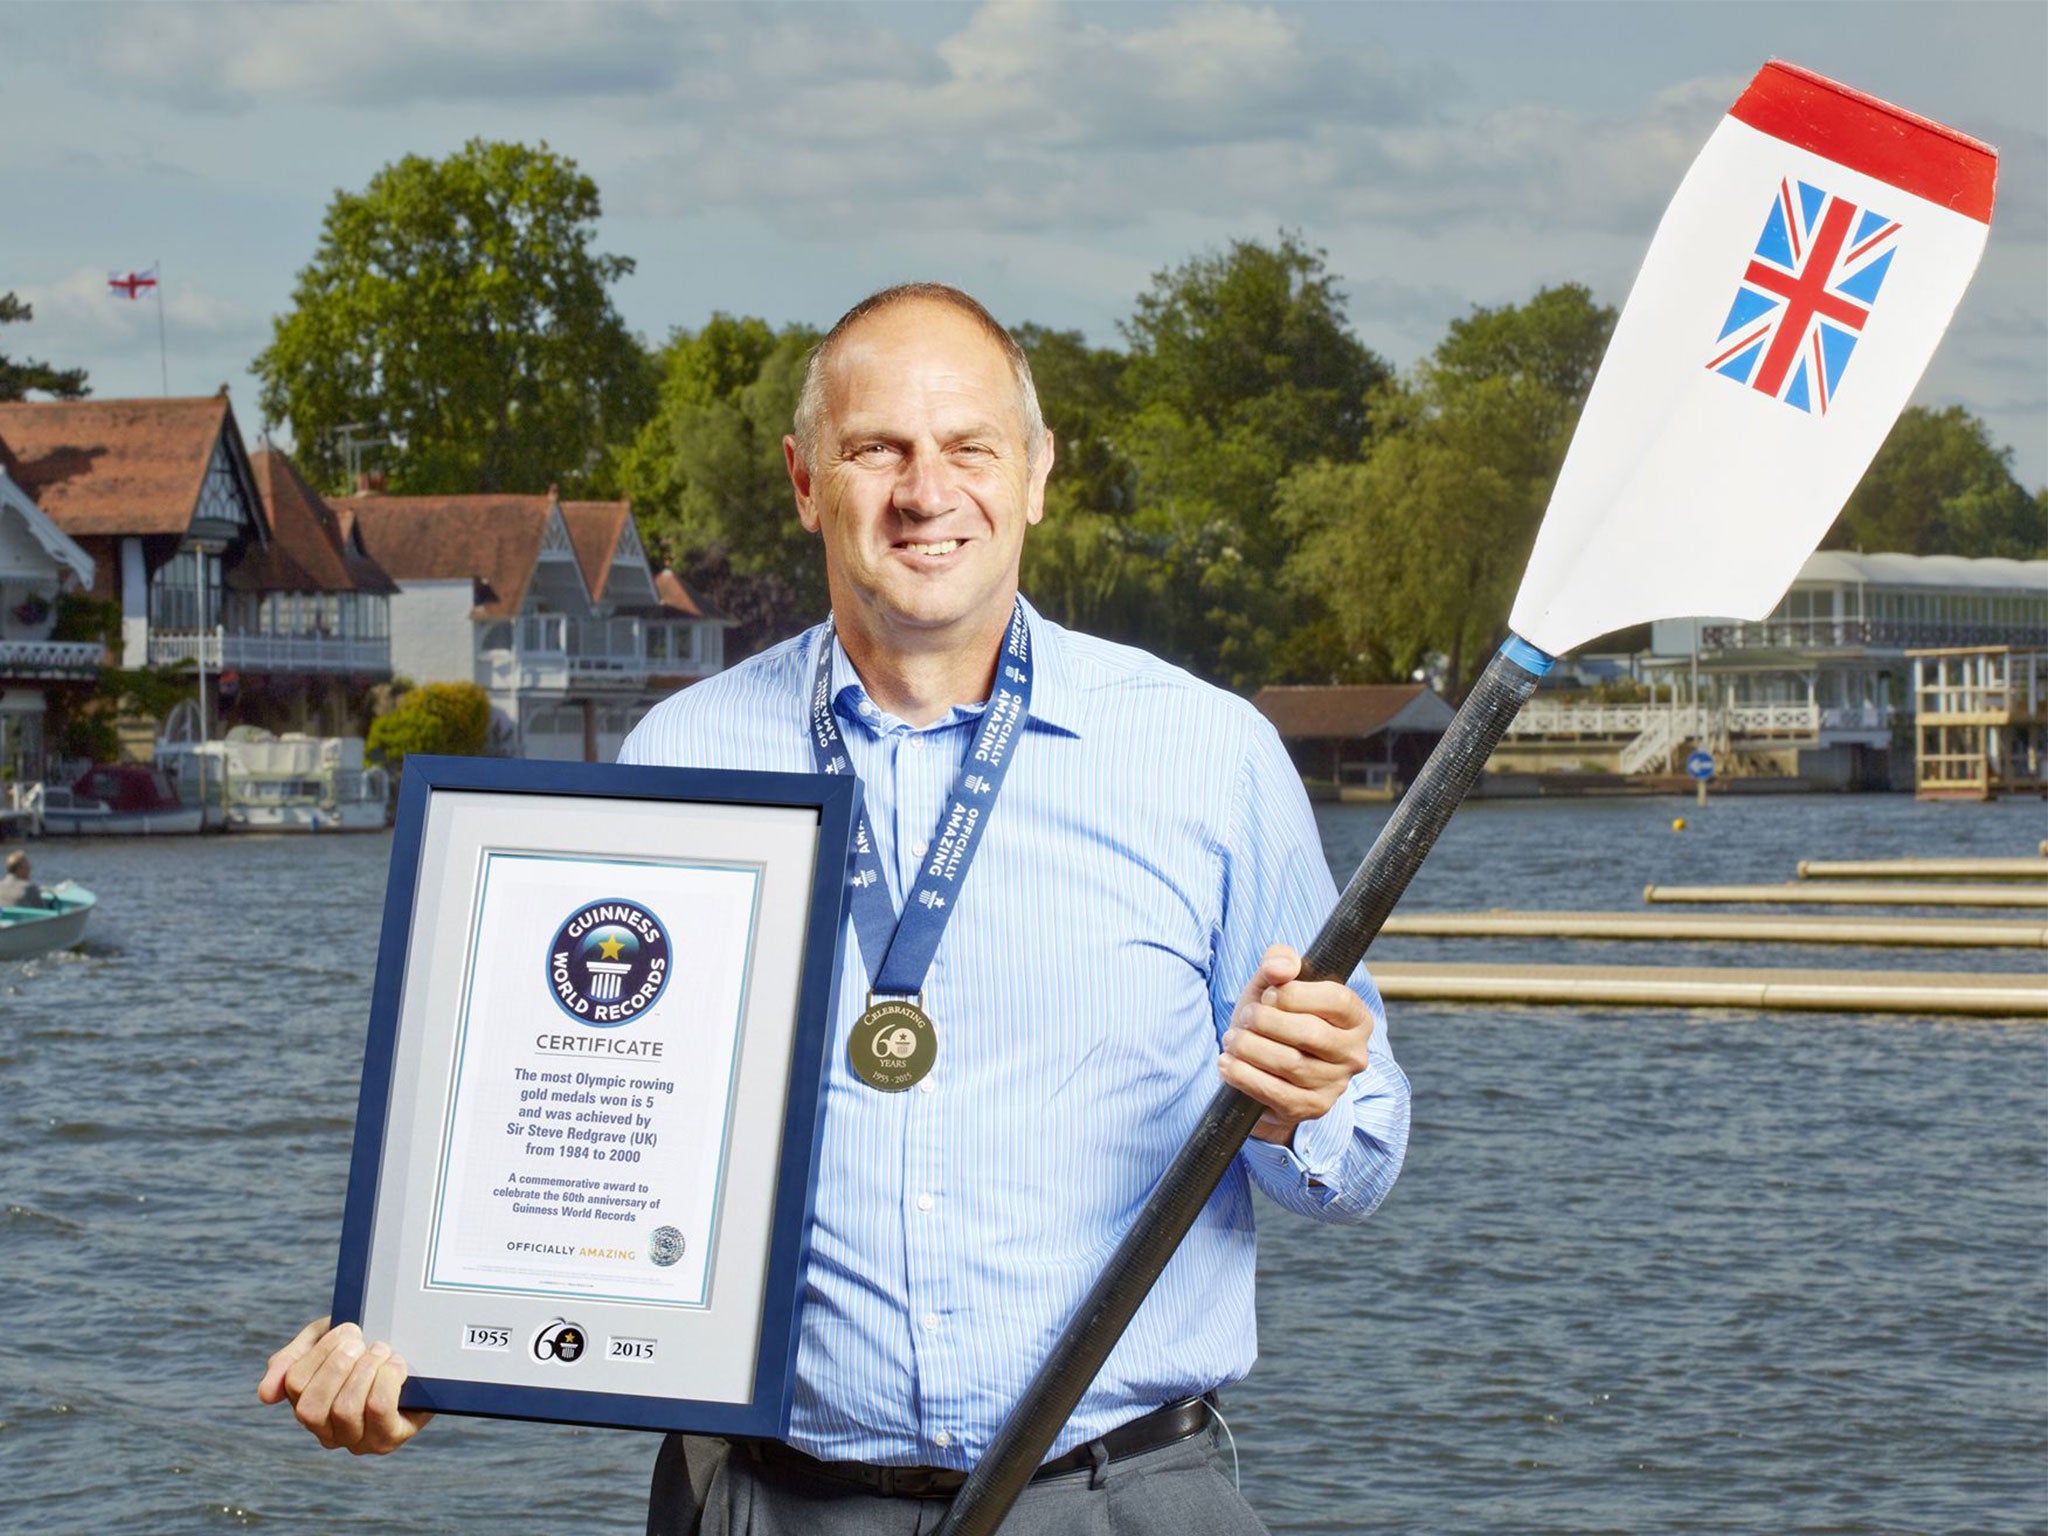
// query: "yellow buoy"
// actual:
[[1678, 824]]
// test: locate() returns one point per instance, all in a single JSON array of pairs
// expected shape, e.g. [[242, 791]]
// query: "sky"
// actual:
[[784, 160]]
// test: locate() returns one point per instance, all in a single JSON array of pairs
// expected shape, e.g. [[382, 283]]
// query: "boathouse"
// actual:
[[164, 498], [1364, 742], [1821, 691], [549, 605]]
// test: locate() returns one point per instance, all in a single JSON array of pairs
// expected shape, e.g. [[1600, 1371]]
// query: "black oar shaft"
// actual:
[[1099, 1321]]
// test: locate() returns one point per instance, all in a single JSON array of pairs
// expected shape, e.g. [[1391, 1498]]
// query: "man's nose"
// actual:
[[925, 487]]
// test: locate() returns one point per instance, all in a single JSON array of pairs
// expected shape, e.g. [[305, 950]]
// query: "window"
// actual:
[[174, 592]]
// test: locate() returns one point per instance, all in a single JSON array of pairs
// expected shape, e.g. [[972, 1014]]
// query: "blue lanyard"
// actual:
[[905, 945]]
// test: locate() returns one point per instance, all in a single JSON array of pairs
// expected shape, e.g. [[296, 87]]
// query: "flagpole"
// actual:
[[163, 353]]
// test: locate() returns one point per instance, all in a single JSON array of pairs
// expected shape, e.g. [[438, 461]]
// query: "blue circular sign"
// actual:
[[608, 963], [1700, 765]]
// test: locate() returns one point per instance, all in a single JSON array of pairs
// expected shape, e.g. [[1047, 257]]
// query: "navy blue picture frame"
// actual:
[[835, 801]]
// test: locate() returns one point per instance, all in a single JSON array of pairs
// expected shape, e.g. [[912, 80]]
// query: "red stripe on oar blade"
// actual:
[[1871, 136]]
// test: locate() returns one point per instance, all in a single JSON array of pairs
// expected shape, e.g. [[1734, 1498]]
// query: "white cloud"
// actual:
[[230, 57]]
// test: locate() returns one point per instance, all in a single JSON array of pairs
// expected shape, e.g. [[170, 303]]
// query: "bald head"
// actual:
[[810, 405]]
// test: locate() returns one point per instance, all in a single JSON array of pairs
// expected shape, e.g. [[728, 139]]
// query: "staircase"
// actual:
[[1657, 744]]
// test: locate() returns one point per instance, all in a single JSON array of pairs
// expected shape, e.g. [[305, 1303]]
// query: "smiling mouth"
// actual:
[[941, 547]]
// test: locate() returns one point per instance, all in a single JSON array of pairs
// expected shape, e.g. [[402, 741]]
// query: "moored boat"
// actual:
[[58, 924], [256, 782], [117, 800]]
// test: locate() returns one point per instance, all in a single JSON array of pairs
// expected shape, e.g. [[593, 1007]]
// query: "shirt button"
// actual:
[[925, 1202], [942, 1439], [926, 1085], [919, 850], [931, 1322]]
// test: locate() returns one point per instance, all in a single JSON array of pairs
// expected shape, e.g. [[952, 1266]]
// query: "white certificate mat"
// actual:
[[585, 1156], [590, 1103]]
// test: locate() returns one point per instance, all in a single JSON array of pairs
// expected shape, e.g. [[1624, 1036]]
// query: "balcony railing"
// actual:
[[51, 658], [1863, 634], [270, 653], [556, 671], [552, 653], [1661, 720], [1542, 717]]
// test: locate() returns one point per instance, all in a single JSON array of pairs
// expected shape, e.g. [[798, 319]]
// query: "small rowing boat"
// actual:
[[26, 931]]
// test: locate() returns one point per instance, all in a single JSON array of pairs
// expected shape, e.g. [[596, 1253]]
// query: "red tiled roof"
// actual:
[[301, 524], [675, 593], [114, 467], [594, 529], [266, 568], [493, 540], [1311, 714]]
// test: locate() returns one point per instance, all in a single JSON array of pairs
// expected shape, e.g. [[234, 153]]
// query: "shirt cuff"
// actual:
[[1317, 1154]]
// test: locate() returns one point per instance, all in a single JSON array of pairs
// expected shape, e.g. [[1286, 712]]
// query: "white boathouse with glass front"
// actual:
[[1821, 690]]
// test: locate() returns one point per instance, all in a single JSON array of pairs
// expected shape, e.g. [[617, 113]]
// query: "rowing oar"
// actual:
[[1790, 301]]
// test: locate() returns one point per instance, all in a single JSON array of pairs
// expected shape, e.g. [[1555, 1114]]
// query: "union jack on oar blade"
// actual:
[[1805, 296]]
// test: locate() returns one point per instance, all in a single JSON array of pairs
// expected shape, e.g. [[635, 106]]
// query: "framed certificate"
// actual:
[[580, 1189]]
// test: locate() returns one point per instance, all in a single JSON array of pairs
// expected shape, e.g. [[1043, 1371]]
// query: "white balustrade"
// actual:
[[39, 657], [270, 653]]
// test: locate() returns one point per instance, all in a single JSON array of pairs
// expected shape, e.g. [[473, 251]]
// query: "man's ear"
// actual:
[[1034, 507], [800, 482]]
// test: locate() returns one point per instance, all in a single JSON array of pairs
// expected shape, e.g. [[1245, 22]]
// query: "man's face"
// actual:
[[923, 485]]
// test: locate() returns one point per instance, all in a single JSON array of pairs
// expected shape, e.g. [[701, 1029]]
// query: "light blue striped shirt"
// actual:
[[1151, 840]]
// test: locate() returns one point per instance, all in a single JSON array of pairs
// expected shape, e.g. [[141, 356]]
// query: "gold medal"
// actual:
[[893, 1044]]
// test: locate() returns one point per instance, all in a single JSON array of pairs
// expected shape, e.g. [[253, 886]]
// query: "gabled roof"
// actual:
[[305, 528], [114, 467], [61, 550], [594, 529], [1312, 714], [675, 593], [493, 540]]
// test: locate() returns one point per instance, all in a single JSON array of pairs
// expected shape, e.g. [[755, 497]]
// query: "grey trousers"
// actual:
[[1177, 1490]]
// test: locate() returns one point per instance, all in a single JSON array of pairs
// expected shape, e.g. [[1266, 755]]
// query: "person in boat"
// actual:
[[16, 889], [1103, 961]]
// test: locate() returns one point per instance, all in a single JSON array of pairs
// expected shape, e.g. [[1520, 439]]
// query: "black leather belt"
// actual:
[[1163, 1427]]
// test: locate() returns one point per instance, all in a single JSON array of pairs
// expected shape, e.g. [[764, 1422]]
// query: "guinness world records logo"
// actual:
[[608, 963]]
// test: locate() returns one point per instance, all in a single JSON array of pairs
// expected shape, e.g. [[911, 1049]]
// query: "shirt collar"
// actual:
[[1055, 700]]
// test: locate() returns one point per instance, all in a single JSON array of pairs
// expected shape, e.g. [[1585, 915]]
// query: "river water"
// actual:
[[1646, 1271]]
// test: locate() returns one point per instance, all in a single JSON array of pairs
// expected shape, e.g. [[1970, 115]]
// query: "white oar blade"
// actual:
[[1795, 290]]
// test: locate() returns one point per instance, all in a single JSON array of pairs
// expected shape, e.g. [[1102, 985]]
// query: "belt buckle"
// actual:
[[918, 1482]]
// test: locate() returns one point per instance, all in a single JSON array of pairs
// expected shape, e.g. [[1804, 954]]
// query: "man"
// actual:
[[1140, 840], [16, 889]]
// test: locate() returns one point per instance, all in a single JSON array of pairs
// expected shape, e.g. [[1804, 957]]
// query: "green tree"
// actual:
[[459, 307], [1255, 338], [1939, 487], [17, 379], [706, 473], [1555, 341], [1240, 368], [449, 718], [1417, 552]]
